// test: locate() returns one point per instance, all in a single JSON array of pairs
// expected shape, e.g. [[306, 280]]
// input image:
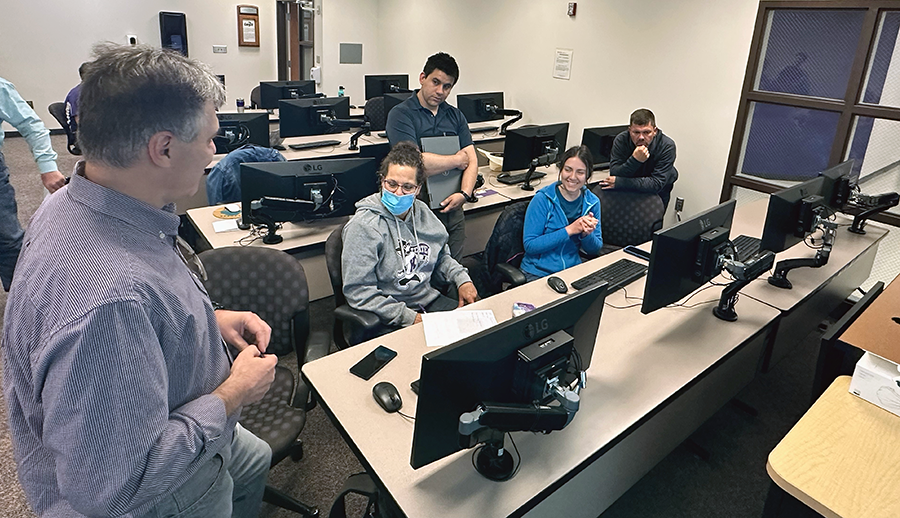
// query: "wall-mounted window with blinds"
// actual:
[[822, 86]]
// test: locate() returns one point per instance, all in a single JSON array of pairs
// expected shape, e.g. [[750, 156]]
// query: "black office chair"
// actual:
[[254, 98], [628, 218], [58, 111], [272, 284], [504, 251], [374, 113], [359, 326]]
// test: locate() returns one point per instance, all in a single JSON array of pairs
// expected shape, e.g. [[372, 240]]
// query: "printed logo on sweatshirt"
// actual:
[[413, 256]]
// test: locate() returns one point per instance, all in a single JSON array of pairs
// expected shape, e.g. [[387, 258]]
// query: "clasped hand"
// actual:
[[585, 225]]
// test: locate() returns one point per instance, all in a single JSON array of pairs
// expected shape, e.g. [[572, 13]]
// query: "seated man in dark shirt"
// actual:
[[642, 158]]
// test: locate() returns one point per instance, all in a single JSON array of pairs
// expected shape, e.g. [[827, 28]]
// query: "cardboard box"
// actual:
[[877, 381]]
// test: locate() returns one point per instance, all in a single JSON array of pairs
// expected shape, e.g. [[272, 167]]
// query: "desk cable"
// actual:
[[518, 462]]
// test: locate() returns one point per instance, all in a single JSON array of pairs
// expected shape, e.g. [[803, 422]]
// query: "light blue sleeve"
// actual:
[[14, 110]]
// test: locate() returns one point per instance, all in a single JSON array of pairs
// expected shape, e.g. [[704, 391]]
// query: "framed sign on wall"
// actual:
[[248, 25]]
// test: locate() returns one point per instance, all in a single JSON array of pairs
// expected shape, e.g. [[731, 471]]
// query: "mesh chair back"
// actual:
[[374, 110], [505, 244], [266, 281], [334, 246], [629, 218]]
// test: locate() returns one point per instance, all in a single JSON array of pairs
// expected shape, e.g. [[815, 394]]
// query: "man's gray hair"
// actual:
[[130, 93]]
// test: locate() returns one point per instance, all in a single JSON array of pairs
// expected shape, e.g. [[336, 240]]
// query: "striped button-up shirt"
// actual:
[[111, 351]]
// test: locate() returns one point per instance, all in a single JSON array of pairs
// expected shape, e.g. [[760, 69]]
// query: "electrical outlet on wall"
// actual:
[[679, 204], [573, 6], [220, 49]]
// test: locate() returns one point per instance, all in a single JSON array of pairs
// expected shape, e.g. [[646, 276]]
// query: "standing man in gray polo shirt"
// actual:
[[122, 397], [427, 114]]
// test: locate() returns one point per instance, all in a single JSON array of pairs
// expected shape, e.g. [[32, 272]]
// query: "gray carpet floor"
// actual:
[[731, 484]]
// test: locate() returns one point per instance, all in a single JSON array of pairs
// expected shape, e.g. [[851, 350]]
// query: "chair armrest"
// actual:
[[356, 317], [317, 346], [513, 275]]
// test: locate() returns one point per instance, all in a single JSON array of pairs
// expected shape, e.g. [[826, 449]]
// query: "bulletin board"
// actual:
[[248, 25]]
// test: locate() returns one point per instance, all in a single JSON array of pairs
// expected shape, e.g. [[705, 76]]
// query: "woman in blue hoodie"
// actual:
[[562, 218]]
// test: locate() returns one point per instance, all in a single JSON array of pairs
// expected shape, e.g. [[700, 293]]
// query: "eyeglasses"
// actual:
[[392, 186], [190, 259]]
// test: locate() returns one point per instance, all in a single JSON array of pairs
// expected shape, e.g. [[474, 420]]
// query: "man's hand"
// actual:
[[452, 202], [53, 181], [463, 159], [467, 294], [242, 328], [251, 376], [608, 183], [641, 153]]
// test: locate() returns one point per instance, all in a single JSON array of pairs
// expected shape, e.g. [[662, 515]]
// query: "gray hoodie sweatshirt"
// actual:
[[387, 262]]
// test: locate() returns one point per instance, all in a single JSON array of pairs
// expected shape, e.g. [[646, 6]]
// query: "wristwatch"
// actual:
[[469, 198]]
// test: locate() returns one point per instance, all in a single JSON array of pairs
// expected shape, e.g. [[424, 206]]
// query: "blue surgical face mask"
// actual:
[[397, 205]]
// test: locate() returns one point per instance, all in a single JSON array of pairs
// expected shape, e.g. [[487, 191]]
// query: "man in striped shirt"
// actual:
[[122, 398]]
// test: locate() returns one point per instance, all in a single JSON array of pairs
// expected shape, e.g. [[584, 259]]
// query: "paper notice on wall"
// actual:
[[249, 27], [562, 65]]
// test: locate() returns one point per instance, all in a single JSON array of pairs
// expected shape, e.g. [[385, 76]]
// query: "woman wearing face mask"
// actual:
[[394, 244], [562, 218]]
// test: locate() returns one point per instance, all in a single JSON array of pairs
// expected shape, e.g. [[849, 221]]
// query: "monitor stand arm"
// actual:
[[779, 278], [542, 160], [489, 422], [364, 130], [517, 116], [878, 204], [744, 272], [284, 204]]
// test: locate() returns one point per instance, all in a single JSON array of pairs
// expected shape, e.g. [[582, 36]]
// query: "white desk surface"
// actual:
[[297, 236], [639, 362], [749, 220]]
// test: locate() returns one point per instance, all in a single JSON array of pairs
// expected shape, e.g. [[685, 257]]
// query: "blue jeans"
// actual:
[[230, 484], [10, 230]]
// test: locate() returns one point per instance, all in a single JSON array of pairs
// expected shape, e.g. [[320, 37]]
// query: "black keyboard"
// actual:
[[483, 129], [315, 144], [745, 247], [620, 273], [512, 179]]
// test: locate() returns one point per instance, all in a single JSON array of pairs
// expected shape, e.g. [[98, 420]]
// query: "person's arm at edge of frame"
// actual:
[[247, 381], [15, 111], [449, 268]]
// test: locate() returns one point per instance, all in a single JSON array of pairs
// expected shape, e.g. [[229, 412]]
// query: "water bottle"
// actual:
[[240, 105], [340, 91]]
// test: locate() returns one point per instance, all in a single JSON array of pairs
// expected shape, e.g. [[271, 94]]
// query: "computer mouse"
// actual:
[[386, 396], [558, 285]]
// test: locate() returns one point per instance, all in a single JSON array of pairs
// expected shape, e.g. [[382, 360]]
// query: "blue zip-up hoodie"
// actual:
[[548, 247]]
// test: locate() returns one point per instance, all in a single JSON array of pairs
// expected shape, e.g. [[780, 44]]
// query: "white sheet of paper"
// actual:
[[445, 327], [225, 225]]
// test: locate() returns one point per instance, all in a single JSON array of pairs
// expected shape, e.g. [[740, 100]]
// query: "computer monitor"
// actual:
[[325, 188], [304, 117], [237, 129], [393, 99], [522, 145], [481, 107], [685, 256], [270, 92], [600, 142], [377, 86], [789, 218], [840, 183], [491, 367]]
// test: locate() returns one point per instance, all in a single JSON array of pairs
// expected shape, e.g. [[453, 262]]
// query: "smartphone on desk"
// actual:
[[373, 362], [637, 252]]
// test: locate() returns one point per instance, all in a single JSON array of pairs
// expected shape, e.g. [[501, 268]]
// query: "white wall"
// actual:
[[53, 37], [684, 60], [348, 21]]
